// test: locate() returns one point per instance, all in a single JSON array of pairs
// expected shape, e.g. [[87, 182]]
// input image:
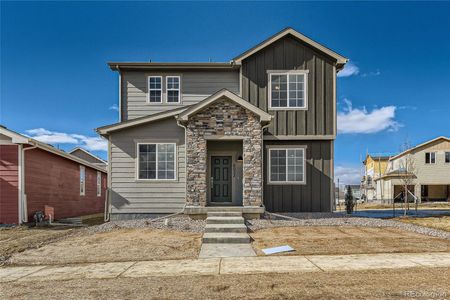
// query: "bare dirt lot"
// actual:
[[417, 283], [442, 223], [115, 245], [346, 240]]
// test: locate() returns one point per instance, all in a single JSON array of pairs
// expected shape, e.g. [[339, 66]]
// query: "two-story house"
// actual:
[[428, 167], [256, 132], [374, 167]]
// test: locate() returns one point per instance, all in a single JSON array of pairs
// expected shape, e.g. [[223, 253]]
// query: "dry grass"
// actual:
[[442, 223], [116, 245], [345, 240], [419, 283], [18, 239]]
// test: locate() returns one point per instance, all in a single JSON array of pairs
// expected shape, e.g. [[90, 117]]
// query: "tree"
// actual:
[[407, 172], [349, 200]]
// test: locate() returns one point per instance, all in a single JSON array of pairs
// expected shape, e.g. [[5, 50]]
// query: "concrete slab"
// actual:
[[96, 270], [14, 273], [273, 264], [226, 250], [361, 262], [174, 268], [436, 259]]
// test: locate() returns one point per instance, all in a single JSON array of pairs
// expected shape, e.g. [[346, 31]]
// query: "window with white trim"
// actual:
[[155, 89], [287, 165], [287, 90], [99, 184], [156, 161], [430, 157], [82, 181], [173, 89]]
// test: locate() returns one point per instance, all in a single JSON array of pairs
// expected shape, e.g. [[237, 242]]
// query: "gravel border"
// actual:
[[344, 221], [179, 223]]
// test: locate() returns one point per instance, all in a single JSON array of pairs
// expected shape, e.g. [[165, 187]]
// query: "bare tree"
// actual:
[[407, 174]]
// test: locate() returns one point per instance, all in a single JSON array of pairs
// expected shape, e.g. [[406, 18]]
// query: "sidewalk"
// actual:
[[232, 265]]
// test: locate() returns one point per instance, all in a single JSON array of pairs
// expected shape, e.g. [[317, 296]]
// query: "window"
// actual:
[[82, 181], [99, 183], [287, 90], [287, 165], [430, 157], [156, 161], [447, 157], [155, 89], [173, 89]]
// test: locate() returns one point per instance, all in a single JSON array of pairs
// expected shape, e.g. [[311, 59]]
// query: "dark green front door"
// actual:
[[221, 178]]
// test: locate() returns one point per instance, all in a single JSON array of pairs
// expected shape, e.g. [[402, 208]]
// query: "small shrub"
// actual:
[[349, 200]]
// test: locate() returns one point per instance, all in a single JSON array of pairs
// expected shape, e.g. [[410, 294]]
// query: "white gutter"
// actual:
[[262, 162], [120, 93], [23, 207], [185, 161]]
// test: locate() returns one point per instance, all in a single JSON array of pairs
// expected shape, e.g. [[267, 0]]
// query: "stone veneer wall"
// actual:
[[223, 118]]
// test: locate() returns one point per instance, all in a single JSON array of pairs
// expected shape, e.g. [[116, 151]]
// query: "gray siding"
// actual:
[[128, 195], [83, 155], [195, 86], [291, 54], [314, 196]]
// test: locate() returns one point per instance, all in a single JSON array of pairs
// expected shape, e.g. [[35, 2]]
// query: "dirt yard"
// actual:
[[115, 245], [345, 240], [442, 223], [417, 283]]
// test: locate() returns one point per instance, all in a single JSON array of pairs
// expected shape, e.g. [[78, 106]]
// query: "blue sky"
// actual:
[[55, 81]]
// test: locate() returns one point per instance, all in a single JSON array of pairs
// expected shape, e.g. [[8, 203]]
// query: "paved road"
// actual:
[[232, 265]]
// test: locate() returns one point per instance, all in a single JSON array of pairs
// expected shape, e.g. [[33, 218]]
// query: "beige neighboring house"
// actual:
[[88, 156], [430, 178]]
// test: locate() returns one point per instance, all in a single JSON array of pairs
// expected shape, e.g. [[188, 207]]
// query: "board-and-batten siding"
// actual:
[[129, 195], [195, 86], [291, 54], [316, 195]]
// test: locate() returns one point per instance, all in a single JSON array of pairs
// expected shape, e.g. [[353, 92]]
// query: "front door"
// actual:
[[220, 178]]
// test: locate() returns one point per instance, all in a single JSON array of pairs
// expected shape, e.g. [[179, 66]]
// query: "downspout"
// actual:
[[262, 162], [107, 212], [185, 162], [23, 200]]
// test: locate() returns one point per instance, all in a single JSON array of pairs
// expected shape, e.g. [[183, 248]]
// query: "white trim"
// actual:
[[435, 158], [269, 164], [287, 73], [20, 184], [167, 89], [148, 89], [156, 179], [82, 190], [99, 184]]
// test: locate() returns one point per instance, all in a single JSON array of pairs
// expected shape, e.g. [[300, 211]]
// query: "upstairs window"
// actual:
[[447, 157], [82, 181], [156, 161], [287, 90], [173, 89], [287, 165], [430, 157], [155, 89]]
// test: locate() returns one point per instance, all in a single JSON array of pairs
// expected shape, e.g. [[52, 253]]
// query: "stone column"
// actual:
[[196, 167]]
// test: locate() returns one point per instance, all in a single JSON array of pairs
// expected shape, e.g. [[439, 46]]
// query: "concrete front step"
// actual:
[[225, 220], [224, 214], [225, 238], [225, 228]]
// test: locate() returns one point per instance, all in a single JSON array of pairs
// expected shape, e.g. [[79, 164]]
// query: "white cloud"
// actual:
[[91, 143], [354, 120], [350, 69], [376, 73], [347, 175], [114, 107]]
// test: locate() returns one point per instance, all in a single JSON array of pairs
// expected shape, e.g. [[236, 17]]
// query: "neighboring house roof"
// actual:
[[420, 146], [376, 157], [100, 160], [21, 139], [115, 66], [396, 174], [341, 60], [105, 130], [224, 93]]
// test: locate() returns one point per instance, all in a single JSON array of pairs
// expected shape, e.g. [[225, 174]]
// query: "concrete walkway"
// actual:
[[232, 265]]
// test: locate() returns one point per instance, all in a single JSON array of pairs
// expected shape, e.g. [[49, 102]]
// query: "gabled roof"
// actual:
[[341, 60], [88, 153], [420, 146], [115, 66], [224, 93], [17, 138], [105, 130], [376, 157]]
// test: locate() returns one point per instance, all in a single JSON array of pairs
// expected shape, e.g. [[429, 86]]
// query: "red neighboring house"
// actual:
[[34, 174]]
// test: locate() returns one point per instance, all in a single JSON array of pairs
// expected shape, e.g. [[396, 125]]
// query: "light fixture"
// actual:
[[239, 158]]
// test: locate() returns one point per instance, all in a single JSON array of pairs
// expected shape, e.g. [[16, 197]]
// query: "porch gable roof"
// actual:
[[224, 93]]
